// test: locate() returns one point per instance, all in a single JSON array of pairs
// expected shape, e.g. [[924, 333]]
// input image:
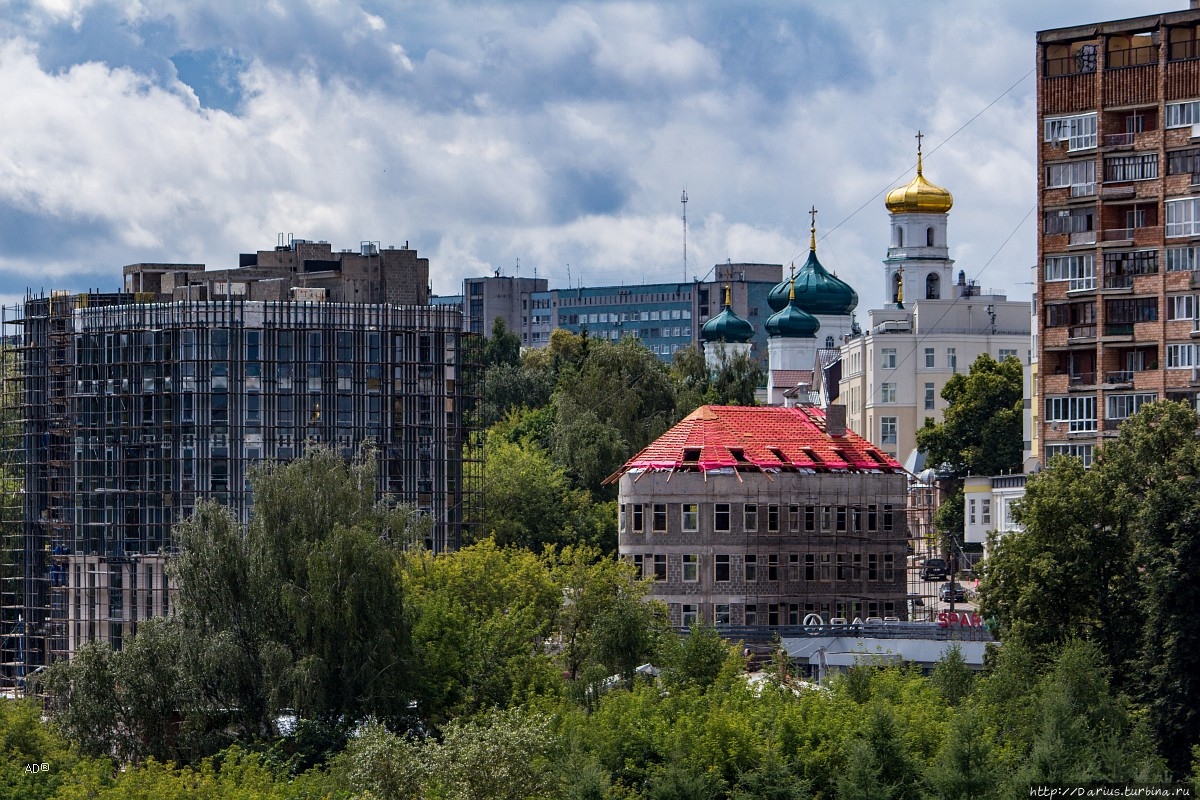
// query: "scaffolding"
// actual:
[[121, 414]]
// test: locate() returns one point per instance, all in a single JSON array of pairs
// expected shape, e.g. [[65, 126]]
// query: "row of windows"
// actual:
[[777, 614], [773, 517], [1080, 270], [624, 316], [1081, 451], [769, 567]]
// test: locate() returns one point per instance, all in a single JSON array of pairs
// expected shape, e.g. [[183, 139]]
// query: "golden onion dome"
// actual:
[[919, 196]]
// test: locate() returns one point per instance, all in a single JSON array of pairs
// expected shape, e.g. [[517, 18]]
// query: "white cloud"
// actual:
[[554, 134]]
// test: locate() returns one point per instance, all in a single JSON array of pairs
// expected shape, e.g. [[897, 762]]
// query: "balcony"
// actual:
[[1118, 234], [1118, 139], [1077, 380], [1085, 284], [1119, 378], [1118, 281], [1081, 332], [1082, 237], [1119, 192], [1118, 329]]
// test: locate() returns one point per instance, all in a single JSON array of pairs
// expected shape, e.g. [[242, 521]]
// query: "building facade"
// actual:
[[665, 316], [893, 373], [127, 412], [764, 516], [1118, 116]]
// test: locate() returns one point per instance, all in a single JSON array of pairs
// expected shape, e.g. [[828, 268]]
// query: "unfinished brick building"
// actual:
[[765, 516]]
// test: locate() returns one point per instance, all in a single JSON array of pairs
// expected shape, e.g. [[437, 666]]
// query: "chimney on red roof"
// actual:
[[835, 420]]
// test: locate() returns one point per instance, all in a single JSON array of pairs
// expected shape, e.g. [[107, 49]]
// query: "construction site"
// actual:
[[122, 411]]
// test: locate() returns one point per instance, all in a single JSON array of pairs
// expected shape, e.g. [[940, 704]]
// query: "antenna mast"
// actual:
[[683, 202]]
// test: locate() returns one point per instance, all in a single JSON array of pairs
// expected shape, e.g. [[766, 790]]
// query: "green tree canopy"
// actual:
[[980, 432]]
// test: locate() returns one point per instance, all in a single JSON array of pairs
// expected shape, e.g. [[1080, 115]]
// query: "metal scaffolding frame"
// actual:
[[120, 414]]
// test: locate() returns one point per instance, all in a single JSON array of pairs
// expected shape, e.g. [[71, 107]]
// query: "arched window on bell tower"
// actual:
[[933, 285], [929, 236], [899, 236]]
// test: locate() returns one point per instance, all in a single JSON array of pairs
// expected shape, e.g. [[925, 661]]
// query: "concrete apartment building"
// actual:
[[893, 373], [764, 516], [133, 407], [1118, 116]]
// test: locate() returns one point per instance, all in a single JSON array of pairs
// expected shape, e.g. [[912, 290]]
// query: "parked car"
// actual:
[[934, 569], [952, 591]]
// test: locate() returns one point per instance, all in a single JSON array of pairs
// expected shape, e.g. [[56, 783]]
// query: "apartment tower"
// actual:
[[1119, 194]]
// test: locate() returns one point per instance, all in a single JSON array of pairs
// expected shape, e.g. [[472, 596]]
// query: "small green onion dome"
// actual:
[[792, 322], [727, 326]]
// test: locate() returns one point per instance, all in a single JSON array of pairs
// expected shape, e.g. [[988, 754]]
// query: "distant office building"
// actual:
[[664, 316], [892, 375], [133, 407]]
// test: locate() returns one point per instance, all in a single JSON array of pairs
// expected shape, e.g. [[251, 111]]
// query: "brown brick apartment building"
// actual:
[[1119, 247], [763, 516]]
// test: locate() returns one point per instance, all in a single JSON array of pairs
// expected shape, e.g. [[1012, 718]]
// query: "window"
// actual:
[[660, 566], [951, 359], [1124, 406], [929, 358], [1183, 115], [810, 518], [637, 517], [971, 511], [1182, 217], [689, 615], [872, 566], [1181, 356], [751, 614], [1079, 175], [691, 567], [751, 568], [1135, 167], [887, 392], [721, 614], [773, 567], [691, 517], [888, 358], [750, 517], [889, 567], [1181, 307], [793, 518], [1182, 259], [1006, 353], [621, 518], [721, 516], [888, 430], [888, 517], [721, 567], [1128, 310], [1079, 131], [1081, 451], [1079, 270], [793, 566], [1081, 219], [1184, 162], [826, 566], [930, 395], [773, 518], [660, 517], [810, 567], [1121, 267], [841, 518], [1078, 413]]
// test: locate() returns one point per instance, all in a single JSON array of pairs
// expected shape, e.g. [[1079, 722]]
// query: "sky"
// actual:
[[522, 136]]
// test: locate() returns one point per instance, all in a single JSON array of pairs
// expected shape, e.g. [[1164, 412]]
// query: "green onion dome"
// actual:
[[727, 326], [792, 322]]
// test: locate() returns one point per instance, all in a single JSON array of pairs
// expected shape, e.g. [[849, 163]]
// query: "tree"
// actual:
[[980, 432], [952, 676], [529, 501], [612, 403], [503, 347], [965, 768], [695, 660]]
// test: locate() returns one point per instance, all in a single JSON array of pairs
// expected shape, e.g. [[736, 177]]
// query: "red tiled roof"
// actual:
[[762, 437], [791, 377]]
